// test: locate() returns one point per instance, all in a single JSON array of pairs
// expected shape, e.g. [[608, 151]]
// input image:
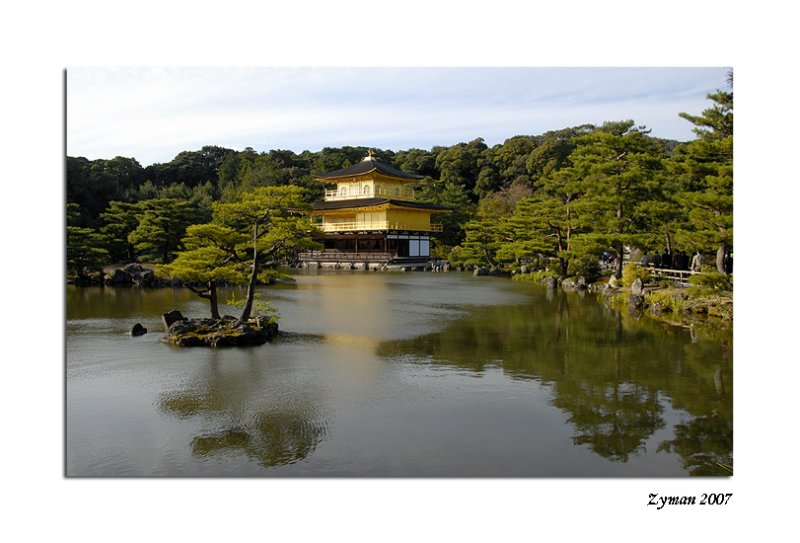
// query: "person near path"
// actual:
[[697, 261], [727, 262], [666, 259]]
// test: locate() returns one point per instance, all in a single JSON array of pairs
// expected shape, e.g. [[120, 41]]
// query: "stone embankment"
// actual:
[[137, 275], [664, 303]]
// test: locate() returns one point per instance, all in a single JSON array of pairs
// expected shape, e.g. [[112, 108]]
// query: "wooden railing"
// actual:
[[670, 274], [405, 194], [338, 256], [376, 225]]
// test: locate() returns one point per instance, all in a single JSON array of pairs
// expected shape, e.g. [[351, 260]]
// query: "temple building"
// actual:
[[372, 216]]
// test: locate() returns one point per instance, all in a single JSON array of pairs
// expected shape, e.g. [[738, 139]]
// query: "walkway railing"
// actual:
[[670, 274], [376, 225], [405, 194], [338, 256]]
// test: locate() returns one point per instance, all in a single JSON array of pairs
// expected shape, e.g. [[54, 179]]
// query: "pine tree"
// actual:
[[705, 167], [247, 240], [84, 251], [618, 165], [213, 253], [162, 224], [119, 220]]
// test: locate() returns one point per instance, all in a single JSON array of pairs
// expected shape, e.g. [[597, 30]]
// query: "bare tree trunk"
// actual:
[[212, 299], [488, 257], [251, 285], [210, 294], [721, 256], [620, 248], [561, 260]]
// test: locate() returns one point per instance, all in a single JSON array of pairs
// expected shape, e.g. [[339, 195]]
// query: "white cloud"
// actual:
[[152, 114]]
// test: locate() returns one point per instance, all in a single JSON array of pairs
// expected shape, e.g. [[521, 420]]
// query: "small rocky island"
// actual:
[[224, 332]]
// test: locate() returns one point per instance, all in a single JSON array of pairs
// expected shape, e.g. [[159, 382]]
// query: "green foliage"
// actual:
[[261, 307], [84, 251], [707, 283], [631, 272], [705, 169], [481, 242], [460, 164], [534, 277], [91, 185], [664, 301], [190, 168], [248, 239], [587, 266], [504, 202], [213, 252], [73, 215], [119, 220], [276, 217], [162, 224], [418, 161], [720, 307], [450, 195], [553, 151], [618, 166]]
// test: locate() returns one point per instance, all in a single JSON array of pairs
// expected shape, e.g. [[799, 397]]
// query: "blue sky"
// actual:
[[152, 114]]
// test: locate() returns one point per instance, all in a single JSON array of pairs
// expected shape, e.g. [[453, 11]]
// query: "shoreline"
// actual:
[[668, 304]]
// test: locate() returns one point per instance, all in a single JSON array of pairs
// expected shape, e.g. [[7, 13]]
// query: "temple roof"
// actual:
[[370, 202], [368, 165]]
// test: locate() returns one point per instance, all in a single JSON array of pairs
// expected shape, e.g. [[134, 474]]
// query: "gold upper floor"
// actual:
[[373, 185], [376, 218]]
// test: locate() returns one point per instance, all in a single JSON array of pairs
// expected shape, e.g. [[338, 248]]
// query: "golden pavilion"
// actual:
[[372, 216]]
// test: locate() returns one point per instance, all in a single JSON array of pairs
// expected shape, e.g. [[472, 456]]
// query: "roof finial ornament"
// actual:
[[370, 155]]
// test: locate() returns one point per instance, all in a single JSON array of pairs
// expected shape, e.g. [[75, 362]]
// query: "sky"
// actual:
[[152, 114]]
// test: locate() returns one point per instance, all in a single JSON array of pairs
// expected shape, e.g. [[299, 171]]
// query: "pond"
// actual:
[[397, 375]]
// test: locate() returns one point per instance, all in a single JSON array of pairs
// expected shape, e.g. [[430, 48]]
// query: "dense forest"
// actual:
[[557, 199]]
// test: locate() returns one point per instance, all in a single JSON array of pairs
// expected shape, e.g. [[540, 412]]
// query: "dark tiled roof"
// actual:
[[370, 202], [367, 166]]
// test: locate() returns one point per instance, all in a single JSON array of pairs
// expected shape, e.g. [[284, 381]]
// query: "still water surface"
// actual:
[[391, 374]]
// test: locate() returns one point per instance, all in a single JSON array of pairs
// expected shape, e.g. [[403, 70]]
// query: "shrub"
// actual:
[[631, 272], [704, 284], [553, 265], [664, 302], [587, 266], [534, 277]]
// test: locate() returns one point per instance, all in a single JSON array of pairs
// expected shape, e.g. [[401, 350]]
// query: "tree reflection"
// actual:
[[274, 440], [705, 445], [273, 429], [615, 420], [613, 375]]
